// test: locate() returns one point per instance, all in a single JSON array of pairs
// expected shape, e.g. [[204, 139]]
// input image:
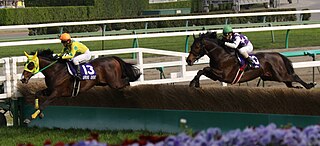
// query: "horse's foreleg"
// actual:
[[49, 99], [208, 72], [38, 94], [195, 81], [42, 106], [212, 73]]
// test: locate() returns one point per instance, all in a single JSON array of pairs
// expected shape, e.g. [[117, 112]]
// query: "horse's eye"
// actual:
[[30, 65]]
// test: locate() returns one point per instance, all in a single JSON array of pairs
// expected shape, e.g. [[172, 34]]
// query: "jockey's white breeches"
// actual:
[[85, 57], [246, 50]]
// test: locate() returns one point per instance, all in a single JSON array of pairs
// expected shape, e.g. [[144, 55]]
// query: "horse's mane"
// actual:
[[46, 53], [213, 37]]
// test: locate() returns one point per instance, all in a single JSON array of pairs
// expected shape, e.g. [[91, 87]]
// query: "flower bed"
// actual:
[[262, 135]]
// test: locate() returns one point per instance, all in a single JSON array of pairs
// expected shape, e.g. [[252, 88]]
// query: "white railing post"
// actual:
[[7, 84], [14, 76], [183, 68], [140, 63]]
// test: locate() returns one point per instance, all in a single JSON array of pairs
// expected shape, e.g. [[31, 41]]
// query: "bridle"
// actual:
[[203, 50], [36, 70]]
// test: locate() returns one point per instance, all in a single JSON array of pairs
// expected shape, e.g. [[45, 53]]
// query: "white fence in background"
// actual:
[[6, 78], [12, 76], [156, 19], [155, 35]]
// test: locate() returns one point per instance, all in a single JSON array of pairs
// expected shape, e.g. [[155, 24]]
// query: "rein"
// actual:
[[203, 47], [46, 67]]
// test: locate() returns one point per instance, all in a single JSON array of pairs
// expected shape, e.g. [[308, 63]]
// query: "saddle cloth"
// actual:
[[242, 61], [86, 69]]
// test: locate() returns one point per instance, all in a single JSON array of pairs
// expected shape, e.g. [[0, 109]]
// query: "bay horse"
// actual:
[[224, 65], [110, 71]]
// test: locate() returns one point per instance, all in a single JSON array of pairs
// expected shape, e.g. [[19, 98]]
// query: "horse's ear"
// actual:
[[194, 36], [25, 53], [35, 55]]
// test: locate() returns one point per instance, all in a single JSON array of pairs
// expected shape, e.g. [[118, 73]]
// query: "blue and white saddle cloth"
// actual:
[[87, 71], [242, 61]]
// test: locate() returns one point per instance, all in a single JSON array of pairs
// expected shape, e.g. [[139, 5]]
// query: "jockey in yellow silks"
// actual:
[[74, 51]]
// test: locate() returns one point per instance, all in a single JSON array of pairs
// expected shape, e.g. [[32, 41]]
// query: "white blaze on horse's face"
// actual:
[[31, 67]]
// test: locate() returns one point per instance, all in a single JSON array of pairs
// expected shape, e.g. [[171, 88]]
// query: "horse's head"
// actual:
[[197, 50], [31, 67], [198, 47]]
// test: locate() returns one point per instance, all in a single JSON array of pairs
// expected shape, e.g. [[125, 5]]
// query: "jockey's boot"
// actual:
[[78, 75], [250, 62]]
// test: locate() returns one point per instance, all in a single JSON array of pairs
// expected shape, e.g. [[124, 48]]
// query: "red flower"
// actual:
[[59, 144], [47, 142], [143, 140]]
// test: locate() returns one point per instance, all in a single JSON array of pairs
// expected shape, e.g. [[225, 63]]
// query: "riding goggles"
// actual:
[[63, 42]]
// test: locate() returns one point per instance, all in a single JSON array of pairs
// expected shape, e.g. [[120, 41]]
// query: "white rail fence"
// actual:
[[12, 75]]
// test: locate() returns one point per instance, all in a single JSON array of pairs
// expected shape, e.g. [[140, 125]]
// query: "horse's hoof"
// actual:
[[312, 85], [197, 85], [26, 121], [41, 115], [192, 84]]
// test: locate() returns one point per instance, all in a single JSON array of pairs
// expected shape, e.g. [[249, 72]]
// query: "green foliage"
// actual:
[[203, 22], [49, 3], [43, 15], [196, 6], [171, 5], [115, 9], [306, 16], [12, 136], [123, 8]]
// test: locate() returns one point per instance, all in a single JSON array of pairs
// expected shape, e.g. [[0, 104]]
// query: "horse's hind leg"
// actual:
[[296, 78], [289, 85], [119, 83]]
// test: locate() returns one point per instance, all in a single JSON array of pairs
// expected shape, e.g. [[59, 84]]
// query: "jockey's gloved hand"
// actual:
[[56, 57]]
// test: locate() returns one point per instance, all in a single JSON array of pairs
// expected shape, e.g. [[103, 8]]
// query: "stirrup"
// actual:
[[77, 76], [250, 65]]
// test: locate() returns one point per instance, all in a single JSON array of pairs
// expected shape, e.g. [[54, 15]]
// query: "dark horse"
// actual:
[[224, 64], [110, 71]]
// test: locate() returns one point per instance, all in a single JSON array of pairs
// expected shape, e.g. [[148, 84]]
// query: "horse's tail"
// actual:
[[128, 70], [288, 64]]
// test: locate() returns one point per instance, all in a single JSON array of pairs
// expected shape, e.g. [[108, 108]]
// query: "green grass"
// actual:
[[260, 40], [297, 38], [11, 136]]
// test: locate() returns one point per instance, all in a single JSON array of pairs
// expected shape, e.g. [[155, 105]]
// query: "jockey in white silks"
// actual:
[[240, 42]]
